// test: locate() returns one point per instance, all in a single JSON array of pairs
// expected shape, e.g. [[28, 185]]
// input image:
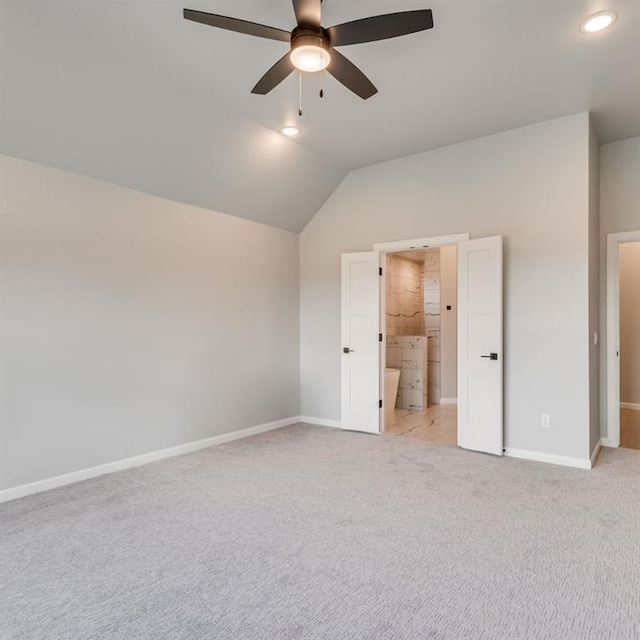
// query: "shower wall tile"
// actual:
[[411, 379], [394, 357], [410, 342], [405, 297], [413, 369], [408, 399], [431, 282], [432, 296], [432, 260], [414, 358], [432, 321]]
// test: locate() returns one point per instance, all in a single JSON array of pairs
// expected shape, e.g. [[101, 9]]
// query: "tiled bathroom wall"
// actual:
[[409, 354], [431, 286], [405, 297]]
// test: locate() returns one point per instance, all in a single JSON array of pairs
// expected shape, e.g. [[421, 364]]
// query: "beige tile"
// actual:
[[438, 424]]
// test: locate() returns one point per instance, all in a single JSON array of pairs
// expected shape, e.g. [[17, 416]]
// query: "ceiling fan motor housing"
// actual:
[[309, 36]]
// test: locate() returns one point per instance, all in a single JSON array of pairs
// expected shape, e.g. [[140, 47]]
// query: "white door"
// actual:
[[360, 341], [480, 353]]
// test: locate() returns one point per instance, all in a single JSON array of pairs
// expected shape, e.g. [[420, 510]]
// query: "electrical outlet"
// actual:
[[546, 420]]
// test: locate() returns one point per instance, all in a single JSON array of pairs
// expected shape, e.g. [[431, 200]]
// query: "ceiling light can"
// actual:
[[290, 130], [598, 21]]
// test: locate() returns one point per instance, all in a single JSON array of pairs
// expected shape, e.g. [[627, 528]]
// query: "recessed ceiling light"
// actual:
[[598, 22], [290, 130]]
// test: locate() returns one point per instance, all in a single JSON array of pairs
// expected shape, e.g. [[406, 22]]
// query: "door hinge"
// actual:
[[380, 271], [379, 404], [379, 337]]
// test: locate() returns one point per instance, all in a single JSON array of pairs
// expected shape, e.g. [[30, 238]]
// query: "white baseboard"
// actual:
[[119, 465], [630, 405], [321, 422], [565, 461], [448, 400], [608, 442]]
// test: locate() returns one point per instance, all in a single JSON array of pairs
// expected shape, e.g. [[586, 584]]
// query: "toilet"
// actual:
[[391, 381]]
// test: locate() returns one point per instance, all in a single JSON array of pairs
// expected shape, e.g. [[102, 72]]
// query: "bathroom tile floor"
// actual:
[[437, 423]]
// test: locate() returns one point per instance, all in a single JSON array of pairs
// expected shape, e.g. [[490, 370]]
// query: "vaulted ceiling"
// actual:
[[131, 93]]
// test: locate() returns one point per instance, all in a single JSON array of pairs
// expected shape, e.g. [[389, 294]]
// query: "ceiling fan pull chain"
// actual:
[[300, 93]]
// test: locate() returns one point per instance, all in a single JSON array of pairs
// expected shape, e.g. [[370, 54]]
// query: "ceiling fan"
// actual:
[[312, 47]]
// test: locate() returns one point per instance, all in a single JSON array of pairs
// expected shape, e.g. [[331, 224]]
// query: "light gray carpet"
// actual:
[[309, 533]]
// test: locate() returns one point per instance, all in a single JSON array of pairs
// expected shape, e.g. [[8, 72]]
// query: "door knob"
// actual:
[[491, 356]]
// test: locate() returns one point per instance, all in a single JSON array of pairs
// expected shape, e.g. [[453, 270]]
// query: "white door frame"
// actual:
[[420, 243], [614, 240], [393, 247]]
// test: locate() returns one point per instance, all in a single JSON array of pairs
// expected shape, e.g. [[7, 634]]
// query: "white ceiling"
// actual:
[[131, 93]]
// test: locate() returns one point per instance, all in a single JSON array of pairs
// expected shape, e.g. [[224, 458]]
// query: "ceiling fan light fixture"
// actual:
[[598, 22], [311, 46], [290, 130], [310, 53]]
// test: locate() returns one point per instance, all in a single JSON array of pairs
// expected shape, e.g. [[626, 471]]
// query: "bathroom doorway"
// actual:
[[478, 312], [420, 325]]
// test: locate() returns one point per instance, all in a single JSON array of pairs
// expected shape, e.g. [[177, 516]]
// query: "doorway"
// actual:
[[479, 388], [420, 381], [623, 340]]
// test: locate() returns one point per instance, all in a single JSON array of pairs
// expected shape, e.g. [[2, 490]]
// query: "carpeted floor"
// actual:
[[309, 532]]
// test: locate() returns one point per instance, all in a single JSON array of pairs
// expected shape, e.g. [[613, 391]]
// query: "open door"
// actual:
[[480, 354], [361, 393]]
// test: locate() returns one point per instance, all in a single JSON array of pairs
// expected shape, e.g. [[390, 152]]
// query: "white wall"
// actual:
[[530, 185], [619, 211], [594, 325], [132, 323], [630, 322]]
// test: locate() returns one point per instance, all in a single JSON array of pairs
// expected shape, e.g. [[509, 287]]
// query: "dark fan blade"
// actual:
[[234, 24], [351, 77], [308, 12], [274, 76], [375, 28]]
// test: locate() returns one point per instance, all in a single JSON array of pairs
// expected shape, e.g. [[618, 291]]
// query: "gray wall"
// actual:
[[132, 323], [630, 322], [530, 185], [619, 211]]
